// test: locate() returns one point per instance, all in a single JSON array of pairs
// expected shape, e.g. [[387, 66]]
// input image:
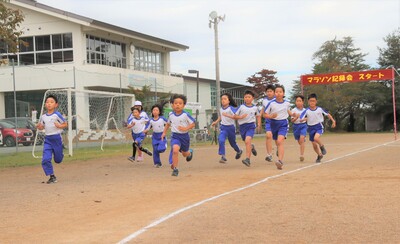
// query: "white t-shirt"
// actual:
[[251, 111], [48, 121], [157, 125], [280, 108], [184, 119], [139, 126], [226, 120], [266, 101], [315, 116], [299, 112]]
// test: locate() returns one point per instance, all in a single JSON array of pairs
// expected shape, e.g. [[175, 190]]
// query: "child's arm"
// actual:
[[270, 116], [40, 126], [189, 127], [236, 116], [61, 125], [166, 127], [333, 120]]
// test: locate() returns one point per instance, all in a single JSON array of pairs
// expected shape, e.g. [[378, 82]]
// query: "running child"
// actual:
[[315, 118], [157, 123], [270, 92], [53, 123], [138, 105], [299, 127], [278, 111], [248, 118], [180, 122], [137, 124], [227, 128]]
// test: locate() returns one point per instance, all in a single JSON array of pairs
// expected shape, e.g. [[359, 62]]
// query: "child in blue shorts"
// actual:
[[137, 124], [315, 117], [157, 124], [278, 111], [180, 122], [53, 123], [270, 92], [227, 128], [248, 118], [299, 127]]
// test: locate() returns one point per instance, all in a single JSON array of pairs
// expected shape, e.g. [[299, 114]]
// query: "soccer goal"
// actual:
[[94, 117]]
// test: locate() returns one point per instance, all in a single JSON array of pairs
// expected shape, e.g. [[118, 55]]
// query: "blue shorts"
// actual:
[[182, 140], [299, 130], [314, 129], [138, 138], [279, 128], [267, 125], [247, 130]]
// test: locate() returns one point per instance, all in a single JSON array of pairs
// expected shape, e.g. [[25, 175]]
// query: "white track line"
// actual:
[[173, 214]]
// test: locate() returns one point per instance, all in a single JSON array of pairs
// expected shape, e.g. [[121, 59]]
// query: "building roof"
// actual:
[[102, 25]]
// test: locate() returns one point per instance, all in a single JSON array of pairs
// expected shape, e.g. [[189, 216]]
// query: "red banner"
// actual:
[[347, 77]]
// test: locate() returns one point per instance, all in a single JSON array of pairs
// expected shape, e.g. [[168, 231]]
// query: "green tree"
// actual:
[[344, 101], [261, 79], [389, 56], [10, 21], [147, 97]]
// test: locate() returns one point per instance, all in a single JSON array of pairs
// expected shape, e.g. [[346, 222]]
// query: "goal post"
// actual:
[[94, 117]]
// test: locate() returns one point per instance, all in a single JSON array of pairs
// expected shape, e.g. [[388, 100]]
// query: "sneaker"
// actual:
[[52, 179], [145, 150], [253, 150], [301, 158], [175, 172], [132, 159], [279, 164], [188, 158], [246, 162], [158, 165], [268, 158], [319, 158], [323, 150], [223, 160], [239, 154], [139, 159]]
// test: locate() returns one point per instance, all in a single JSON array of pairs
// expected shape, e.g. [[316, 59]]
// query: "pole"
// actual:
[[15, 107], [217, 64], [197, 100], [394, 106]]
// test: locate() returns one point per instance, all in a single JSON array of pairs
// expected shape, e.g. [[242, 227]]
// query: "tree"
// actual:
[[390, 56], [146, 96], [10, 21], [345, 101], [261, 79]]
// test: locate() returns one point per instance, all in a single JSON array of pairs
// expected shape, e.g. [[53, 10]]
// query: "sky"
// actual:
[[278, 35]]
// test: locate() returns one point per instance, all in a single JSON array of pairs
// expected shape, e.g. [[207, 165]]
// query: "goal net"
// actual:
[[95, 118]]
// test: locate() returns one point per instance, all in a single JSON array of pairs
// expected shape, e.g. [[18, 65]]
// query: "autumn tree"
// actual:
[[261, 79], [344, 101], [10, 21], [389, 56]]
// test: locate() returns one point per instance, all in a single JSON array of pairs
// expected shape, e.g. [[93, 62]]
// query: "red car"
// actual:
[[8, 134]]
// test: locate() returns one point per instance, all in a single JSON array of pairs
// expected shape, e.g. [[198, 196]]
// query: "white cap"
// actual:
[[137, 103]]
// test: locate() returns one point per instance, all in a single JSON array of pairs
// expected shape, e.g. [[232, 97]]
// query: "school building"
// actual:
[[69, 50]]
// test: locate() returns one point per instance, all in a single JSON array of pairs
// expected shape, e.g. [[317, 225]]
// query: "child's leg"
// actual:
[[221, 141], [133, 150], [316, 147], [232, 140], [247, 142], [317, 139], [175, 154], [302, 145], [268, 142], [46, 158], [279, 143], [156, 154], [57, 145]]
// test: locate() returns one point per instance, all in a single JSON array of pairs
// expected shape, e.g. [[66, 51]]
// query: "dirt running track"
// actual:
[[352, 199]]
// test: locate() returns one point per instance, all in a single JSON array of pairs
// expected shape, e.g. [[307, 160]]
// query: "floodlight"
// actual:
[[213, 15]]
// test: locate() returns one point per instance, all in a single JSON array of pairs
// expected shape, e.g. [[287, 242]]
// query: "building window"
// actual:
[[148, 60], [105, 52], [47, 49]]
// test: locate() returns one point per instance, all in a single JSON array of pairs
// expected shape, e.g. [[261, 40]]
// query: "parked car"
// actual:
[[9, 134], [26, 122]]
